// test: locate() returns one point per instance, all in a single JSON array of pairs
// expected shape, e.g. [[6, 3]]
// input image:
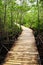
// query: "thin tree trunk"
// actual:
[[6, 31], [5, 14], [11, 17], [38, 17]]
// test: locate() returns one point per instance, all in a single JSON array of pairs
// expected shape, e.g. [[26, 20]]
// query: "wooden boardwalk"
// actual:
[[24, 50]]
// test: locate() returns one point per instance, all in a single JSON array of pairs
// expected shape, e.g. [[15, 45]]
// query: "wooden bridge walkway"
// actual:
[[24, 50]]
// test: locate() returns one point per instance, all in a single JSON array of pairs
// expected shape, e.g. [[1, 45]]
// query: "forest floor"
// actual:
[[24, 50]]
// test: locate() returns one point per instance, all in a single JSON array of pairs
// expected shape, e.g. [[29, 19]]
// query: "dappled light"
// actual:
[[24, 51]]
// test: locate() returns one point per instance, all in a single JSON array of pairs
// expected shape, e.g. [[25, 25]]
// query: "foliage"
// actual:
[[7, 14], [25, 13]]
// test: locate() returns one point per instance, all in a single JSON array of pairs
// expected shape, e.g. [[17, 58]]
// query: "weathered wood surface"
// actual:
[[24, 50]]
